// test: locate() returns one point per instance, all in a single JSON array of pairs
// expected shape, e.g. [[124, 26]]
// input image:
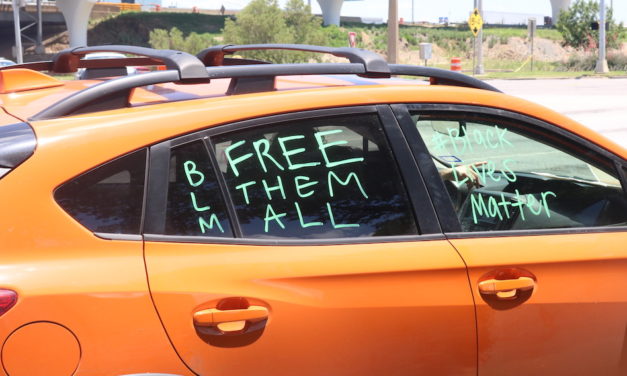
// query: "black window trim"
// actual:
[[445, 210], [112, 236], [423, 210], [289, 241], [224, 191], [160, 154], [435, 187], [157, 191], [621, 167]]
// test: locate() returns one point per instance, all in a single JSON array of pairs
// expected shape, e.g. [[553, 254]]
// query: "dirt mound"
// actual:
[[519, 49]]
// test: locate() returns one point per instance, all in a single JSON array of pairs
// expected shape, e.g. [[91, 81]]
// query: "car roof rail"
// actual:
[[247, 76], [189, 68], [107, 95], [116, 93], [439, 76], [375, 66]]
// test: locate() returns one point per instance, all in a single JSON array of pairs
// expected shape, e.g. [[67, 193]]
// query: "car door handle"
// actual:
[[231, 320], [506, 288]]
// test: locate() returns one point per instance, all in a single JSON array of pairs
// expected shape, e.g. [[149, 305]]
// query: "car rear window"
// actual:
[[109, 198], [320, 178]]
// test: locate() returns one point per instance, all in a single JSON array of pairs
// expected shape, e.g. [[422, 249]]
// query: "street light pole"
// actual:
[[412, 12], [393, 31], [602, 62], [18, 32]]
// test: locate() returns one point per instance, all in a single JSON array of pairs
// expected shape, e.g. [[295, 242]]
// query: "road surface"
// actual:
[[599, 103]]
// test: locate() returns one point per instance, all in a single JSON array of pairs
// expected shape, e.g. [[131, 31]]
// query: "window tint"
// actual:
[[503, 175], [195, 206], [323, 178], [108, 199]]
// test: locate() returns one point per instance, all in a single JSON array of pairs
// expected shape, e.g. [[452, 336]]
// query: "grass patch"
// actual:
[[521, 32]]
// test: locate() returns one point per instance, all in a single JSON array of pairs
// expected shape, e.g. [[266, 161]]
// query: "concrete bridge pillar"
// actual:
[[331, 11], [76, 13], [558, 6]]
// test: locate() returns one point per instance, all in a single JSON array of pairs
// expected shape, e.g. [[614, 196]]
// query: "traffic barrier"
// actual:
[[456, 64]]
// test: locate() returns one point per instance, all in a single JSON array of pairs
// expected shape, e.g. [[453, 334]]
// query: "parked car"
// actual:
[[228, 216], [110, 70], [5, 62]]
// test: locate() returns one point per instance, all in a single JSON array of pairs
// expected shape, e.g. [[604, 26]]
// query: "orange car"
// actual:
[[227, 216]]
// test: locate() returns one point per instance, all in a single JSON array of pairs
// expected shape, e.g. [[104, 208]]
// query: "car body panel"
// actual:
[[573, 324], [17, 80], [6, 119], [64, 274], [355, 309]]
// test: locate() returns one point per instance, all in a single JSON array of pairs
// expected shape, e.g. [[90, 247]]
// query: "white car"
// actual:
[[5, 62], [91, 73]]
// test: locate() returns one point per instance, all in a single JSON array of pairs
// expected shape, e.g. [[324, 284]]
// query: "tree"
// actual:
[[304, 26], [174, 40], [262, 21], [575, 26]]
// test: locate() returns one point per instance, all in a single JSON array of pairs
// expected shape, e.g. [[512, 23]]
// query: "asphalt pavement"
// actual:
[[599, 103]]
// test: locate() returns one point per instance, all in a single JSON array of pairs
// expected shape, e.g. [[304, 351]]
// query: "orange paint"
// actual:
[[15, 80]]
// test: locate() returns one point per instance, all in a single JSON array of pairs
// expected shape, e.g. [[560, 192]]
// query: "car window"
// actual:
[[194, 205], [109, 198], [504, 175], [324, 178]]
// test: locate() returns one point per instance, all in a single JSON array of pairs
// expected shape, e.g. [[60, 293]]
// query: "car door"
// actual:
[[304, 244], [539, 216]]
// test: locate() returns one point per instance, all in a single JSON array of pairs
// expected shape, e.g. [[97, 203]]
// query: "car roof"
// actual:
[[185, 83], [25, 104], [211, 64]]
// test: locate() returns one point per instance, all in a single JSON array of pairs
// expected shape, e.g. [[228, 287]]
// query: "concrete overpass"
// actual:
[[76, 13], [33, 14], [49, 10]]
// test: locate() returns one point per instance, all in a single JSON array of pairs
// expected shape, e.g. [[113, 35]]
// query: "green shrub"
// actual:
[[574, 25], [262, 21], [338, 37], [174, 40], [617, 62]]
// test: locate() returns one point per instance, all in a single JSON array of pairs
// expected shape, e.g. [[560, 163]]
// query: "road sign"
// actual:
[[475, 22]]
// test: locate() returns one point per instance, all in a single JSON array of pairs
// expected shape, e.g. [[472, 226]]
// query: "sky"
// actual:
[[424, 10]]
